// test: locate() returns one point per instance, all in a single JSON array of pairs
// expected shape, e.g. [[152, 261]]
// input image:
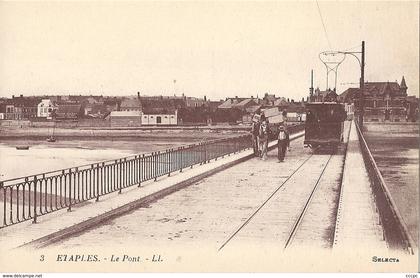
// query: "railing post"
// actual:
[[69, 209], [181, 150], [169, 162], [97, 182], [156, 164], [141, 169], [4, 203], [192, 154], [35, 204], [121, 178]]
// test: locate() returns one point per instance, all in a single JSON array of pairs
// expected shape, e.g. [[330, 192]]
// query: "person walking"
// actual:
[[282, 143], [255, 132], [263, 139]]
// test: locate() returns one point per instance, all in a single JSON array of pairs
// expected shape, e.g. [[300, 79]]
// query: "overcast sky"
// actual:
[[216, 49]]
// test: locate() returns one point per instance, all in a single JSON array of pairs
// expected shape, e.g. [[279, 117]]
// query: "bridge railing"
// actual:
[[395, 231], [26, 198]]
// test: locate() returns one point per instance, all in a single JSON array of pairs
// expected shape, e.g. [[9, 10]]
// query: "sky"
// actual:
[[215, 49]]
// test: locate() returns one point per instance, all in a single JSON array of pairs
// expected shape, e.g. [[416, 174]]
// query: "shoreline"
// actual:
[[110, 134]]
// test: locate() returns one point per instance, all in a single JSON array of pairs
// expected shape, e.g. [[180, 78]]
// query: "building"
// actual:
[[112, 103], [412, 108], [159, 111], [45, 109], [323, 96], [125, 118], [196, 102], [229, 103], [268, 99], [244, 104], [383, 101], [26, 107], [2, 111], [130, 104], [68, 111]]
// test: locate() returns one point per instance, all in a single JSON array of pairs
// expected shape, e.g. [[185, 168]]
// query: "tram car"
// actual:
[[324, 124]]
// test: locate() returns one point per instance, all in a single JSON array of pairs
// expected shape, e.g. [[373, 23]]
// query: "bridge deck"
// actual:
[[255, 202], [358, 221]]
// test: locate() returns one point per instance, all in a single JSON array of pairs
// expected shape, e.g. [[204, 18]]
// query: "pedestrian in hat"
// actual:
[[282, 142]]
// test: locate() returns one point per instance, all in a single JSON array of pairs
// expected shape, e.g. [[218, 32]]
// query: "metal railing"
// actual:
[[395, 231], [28, 197]]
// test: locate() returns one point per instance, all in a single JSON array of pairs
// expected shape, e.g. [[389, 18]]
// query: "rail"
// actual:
[[26, 198], [395, 231]]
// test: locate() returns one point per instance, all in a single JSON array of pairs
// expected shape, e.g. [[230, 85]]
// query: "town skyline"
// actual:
[[216, 50]]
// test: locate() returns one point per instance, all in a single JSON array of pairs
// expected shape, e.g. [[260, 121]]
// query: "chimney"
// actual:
[[311, 89], [13, 96], [21, 96], [205, 98], [236, 97], [138, 94]]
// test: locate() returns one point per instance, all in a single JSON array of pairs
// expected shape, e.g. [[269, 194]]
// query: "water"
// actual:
[[397, 156], [44, 157]]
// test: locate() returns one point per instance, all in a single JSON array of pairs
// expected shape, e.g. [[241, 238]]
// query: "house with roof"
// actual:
[[242, 105], [26, 107], [68, 111], [268, 99], [45, 109], [234, 110], [2, 110], [130, 104], [112, 103], [160, 111], [196, 102], [124, 118], [382, 101], [323, 96], [229, 103]]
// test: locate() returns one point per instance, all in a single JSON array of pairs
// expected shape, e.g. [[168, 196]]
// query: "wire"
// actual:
[[323, 25], [357, 46]]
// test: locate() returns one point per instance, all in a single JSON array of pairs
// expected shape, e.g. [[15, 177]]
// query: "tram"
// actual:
[[324, 124]]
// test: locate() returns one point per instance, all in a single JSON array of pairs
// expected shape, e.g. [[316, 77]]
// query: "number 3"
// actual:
[[42, 258]]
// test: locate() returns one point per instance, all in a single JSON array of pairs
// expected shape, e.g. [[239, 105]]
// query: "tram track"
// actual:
[[305, 208], [248, 220], [315, 188]]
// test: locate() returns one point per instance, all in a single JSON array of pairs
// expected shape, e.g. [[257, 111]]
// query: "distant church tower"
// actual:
[[403, 86]]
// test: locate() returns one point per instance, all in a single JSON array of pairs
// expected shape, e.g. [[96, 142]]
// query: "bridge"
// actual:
[[215, 192]]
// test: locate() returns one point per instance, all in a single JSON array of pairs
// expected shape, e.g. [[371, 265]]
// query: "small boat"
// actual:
[[22, 147], [51, 139]]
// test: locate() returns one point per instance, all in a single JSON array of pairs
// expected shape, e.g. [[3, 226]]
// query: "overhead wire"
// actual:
[[323, 25]]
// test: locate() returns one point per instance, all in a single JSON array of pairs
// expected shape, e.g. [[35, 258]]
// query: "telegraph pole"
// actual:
[[362, 87]]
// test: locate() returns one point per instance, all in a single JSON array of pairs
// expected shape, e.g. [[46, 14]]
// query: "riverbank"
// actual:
[[143, 133]]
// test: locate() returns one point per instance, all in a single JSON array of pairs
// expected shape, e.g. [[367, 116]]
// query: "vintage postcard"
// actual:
[[209, 136]]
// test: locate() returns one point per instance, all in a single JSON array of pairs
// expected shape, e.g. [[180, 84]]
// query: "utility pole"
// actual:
[[362, 87], [311, 89]]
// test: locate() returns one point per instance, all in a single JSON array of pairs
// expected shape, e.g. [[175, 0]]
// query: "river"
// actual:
[[397, 156], [43, 156]]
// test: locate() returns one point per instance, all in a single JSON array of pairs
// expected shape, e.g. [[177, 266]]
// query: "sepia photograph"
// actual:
[[209, 137]]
